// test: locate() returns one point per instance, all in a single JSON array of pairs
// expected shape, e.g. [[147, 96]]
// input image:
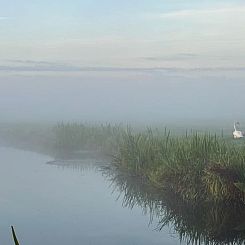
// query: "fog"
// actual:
[[122, 96]]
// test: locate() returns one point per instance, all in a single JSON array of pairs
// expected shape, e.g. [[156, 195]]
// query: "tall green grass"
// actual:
[[193, 165], [196, 166]]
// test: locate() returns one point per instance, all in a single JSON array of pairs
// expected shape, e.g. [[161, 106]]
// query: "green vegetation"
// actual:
[[74, 137], [193, 165], [196, 166], [193, 181]]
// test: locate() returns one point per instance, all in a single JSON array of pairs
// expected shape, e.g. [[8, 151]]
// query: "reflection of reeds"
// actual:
[[196, 223]]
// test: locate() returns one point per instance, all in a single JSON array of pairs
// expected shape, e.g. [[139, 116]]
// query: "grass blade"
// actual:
[[14, 236]]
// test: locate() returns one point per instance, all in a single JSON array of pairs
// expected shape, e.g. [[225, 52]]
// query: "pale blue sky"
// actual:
[[130, 33], [123, 60]]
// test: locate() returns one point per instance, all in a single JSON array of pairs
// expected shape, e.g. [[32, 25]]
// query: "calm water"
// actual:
[[68, 205]]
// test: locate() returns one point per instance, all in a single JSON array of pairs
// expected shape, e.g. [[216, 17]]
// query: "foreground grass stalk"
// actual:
[[14, 236]]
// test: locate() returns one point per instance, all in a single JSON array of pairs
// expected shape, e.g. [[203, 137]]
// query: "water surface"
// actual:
[[68, 205]]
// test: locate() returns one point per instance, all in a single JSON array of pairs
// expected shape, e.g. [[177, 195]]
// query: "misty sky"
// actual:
[[136, 60]]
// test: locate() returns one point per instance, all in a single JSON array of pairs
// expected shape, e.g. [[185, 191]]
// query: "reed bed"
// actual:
[[196, 166], [75, 137], [193, 165]]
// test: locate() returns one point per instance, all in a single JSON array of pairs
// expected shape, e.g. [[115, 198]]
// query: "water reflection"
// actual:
[[202, 223], [199, 223], [80, 161]]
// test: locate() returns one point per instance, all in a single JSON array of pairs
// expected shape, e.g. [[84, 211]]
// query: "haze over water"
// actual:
[[122, 61], [139, 98]]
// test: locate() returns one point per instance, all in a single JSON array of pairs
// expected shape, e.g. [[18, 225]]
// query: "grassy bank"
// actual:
[[195, 166]]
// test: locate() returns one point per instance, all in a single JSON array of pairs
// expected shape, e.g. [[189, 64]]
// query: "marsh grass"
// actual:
[[74, 137], [195, 166]]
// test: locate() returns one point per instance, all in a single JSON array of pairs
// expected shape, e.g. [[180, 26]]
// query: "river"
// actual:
[[68, 204]]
